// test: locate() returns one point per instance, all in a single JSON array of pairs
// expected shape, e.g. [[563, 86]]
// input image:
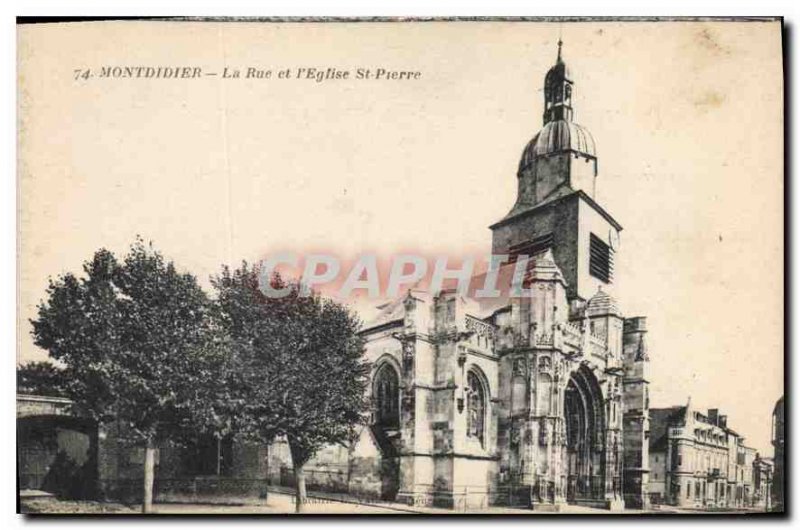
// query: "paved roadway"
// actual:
[[282, 503]]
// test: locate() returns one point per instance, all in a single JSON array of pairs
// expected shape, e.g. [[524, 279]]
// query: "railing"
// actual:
[[201, 489], [326, 480], [572, 335], [597, 347], [215, 490], [468, 498], [484, 332]]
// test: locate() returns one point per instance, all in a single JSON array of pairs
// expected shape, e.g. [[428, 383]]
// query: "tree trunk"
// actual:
[[300, 486], [299, 460], [149, 476]]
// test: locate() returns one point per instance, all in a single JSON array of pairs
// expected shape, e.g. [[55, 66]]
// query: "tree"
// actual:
[[142, 345], [42, 378], [304, 377]]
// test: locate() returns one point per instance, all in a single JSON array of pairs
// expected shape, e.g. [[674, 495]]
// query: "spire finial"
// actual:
[[560, 43]]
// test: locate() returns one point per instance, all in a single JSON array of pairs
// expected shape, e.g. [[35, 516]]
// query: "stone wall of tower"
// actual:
[[583, 174], [591, 221], [636, 413], [559, 219], [543, 177], [568, 170], [571, 220], [530, 408]]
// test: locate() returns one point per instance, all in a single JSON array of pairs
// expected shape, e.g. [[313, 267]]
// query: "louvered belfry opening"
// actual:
[[601, 259], [531, 247]]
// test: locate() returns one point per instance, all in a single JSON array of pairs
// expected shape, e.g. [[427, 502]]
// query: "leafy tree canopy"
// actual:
[[41, 378], [141, 343], [301, 360]]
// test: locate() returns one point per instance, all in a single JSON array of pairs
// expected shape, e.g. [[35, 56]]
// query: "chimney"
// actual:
[[713, 416]]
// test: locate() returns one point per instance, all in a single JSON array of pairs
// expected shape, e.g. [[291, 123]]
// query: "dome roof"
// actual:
[[602, 303], [555, 137]]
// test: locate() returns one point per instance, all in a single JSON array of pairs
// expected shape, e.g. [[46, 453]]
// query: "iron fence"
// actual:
[[318, 479]]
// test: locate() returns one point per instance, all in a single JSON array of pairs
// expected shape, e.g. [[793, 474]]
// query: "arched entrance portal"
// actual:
[[585, 448]]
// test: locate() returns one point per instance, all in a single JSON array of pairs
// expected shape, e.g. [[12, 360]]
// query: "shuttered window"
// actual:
[[532, 247], [601, 259]]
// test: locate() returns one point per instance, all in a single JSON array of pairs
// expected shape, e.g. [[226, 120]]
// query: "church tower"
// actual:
[[556, 204], [579, 432], [537, 398]]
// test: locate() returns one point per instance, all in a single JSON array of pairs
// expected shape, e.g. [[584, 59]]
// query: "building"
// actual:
[[746, 459], [763, 469], [698, 461], [779, 476], [56, 449], [536, 399]]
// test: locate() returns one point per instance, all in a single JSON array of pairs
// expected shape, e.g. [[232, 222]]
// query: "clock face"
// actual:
[[613, 239]]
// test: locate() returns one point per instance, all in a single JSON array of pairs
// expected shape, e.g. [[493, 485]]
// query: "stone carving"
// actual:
[[561, 369], [544, 431], [408, 356], [479, 327], [544, 364], [641, 350], [543, 339], [518, 367], [515, 436]]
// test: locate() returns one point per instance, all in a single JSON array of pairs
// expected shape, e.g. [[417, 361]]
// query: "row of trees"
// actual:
[[142, 344]]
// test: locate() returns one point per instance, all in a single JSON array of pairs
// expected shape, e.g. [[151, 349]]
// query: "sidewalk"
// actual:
[[283, 502], [397, 507], [277, 503]]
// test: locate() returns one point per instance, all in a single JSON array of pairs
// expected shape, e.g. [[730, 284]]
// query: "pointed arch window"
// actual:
[[476, 407], [386, 392]]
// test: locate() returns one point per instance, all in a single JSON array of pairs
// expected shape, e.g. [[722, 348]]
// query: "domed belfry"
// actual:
[[556, 195]]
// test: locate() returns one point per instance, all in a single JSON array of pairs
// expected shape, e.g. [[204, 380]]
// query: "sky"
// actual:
[[687, 118]]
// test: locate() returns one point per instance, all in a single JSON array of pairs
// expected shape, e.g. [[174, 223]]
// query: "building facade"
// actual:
[[536, 397], [779, 476], [697, 461], [763, 470]]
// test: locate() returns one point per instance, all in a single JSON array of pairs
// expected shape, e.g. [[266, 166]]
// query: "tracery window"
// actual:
[[476, 407], [387, 397]]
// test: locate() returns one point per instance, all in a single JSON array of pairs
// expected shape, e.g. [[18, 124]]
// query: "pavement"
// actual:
[[277, 503], [283, 503]]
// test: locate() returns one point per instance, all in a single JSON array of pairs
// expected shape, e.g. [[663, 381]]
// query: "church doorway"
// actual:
[[585, 448]]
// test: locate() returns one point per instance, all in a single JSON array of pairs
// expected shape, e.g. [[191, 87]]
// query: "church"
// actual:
[[533, 398], [534, 401]]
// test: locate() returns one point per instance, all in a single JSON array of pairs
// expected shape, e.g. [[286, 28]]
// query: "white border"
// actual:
[[785, 8]]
